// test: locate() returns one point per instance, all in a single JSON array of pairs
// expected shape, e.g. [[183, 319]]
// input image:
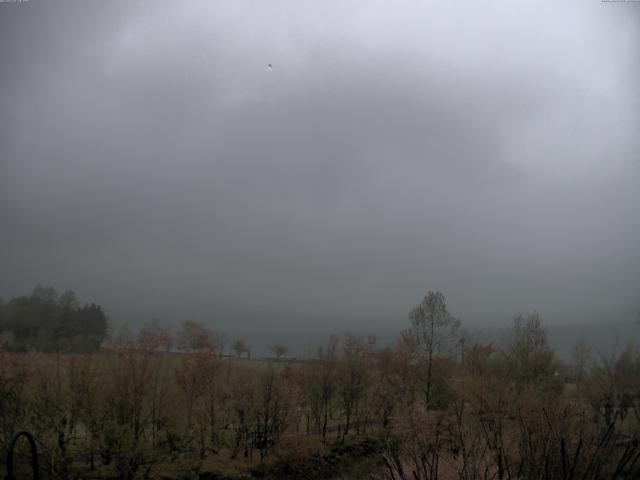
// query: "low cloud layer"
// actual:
[[151, 161]]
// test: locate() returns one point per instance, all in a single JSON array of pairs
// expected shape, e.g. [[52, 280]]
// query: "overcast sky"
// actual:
[[152, 162]]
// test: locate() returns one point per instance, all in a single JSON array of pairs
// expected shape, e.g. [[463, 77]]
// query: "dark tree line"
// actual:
[[49, 321]]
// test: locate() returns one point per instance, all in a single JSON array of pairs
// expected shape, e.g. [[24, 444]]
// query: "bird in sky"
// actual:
[[270, 67]]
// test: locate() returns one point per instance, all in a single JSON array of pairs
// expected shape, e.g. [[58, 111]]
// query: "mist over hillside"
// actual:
[[604, 339]]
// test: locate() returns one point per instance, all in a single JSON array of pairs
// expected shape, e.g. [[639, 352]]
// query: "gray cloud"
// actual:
[[152, 162]]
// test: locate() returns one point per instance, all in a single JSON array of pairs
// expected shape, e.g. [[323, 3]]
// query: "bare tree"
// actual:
[[240, 347], [272, 409], [280, 351], [393, 383], [154, 337], [529, 357], [322, 383], [355, 374], [195, 337], [434, 334]]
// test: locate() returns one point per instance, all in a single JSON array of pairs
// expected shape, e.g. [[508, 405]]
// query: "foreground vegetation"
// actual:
[[435, 405]]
